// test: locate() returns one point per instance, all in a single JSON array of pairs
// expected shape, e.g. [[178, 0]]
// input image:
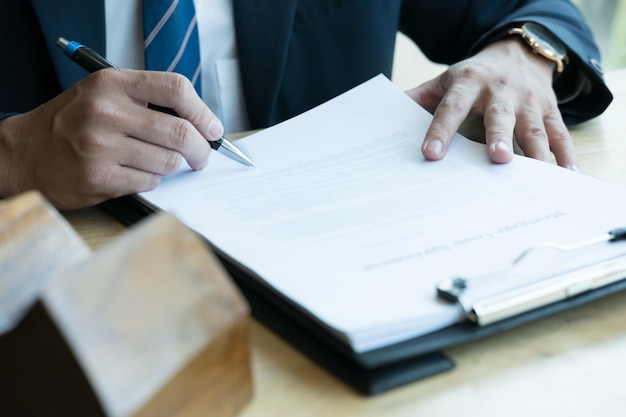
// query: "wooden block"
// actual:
[[35, 243], [152, 321], [38, 368], [150, 318]]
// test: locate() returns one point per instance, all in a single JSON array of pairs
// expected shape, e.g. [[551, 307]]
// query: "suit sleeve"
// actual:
[[448, 33]]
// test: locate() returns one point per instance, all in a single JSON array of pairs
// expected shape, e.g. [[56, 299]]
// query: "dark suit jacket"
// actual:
[[295, 54]]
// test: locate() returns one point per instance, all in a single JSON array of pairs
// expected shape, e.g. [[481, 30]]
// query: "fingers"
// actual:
[[186, 134], [156, 129], [499, 119], [513, 97], [128, 180], [447, 118], [148, 157], [176, 92], [451, 105], [546, 138], [532, 136], [561, 142]]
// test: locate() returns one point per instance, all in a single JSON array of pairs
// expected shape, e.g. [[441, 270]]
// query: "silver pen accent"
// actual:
[[225, 147]]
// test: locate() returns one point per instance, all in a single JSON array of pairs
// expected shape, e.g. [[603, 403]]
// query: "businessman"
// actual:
[[83, 139]]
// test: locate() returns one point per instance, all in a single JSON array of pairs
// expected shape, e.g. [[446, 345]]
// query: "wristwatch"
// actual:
[[543, 43]]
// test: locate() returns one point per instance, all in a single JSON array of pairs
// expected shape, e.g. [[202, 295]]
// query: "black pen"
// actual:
[[92, 61]]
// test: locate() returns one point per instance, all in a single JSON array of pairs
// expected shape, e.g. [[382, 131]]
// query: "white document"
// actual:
[[344, 216]]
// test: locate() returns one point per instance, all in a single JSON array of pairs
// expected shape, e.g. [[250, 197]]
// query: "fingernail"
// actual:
[[434, 146], [501, 146], [574, 168], [216, 130]]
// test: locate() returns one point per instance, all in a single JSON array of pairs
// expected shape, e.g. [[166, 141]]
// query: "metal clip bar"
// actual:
[[452, 289]]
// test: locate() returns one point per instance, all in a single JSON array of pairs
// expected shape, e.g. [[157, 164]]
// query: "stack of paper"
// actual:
[[345, 217]]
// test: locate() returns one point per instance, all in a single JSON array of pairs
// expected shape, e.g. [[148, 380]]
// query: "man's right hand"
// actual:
[[98, 140]]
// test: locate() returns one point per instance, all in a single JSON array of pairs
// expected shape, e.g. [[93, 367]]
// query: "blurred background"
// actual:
[[607, 19]]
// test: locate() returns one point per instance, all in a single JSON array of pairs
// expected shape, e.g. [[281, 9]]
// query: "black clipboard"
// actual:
[[375, 371]]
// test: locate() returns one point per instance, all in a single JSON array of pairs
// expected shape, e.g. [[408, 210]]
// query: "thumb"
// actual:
[[428, 95]]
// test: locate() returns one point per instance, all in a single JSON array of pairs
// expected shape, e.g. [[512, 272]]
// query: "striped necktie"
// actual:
[[171, 38]]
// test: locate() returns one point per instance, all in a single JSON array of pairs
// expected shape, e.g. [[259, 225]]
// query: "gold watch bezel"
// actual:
[[542, 43]]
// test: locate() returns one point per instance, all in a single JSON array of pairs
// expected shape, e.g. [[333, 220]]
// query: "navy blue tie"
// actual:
[[171, 38]]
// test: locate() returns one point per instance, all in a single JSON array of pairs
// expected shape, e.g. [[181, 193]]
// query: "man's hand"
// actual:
[[512, 89], [98, 140]]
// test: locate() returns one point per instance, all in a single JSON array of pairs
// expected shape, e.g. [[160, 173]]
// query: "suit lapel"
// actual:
[[263, 32], [78, 20]]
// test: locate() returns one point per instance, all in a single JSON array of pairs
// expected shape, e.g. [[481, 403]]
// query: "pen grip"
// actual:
[[90, 60]]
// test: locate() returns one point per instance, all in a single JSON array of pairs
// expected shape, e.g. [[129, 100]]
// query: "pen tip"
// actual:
[[230, 150]]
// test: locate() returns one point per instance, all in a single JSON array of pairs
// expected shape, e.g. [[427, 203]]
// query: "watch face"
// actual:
[[540, 38]]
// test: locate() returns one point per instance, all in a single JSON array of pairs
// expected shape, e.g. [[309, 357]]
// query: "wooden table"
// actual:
[[573, 363]]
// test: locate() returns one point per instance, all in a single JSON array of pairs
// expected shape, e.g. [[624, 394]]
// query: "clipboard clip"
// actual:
[[519, 300]]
